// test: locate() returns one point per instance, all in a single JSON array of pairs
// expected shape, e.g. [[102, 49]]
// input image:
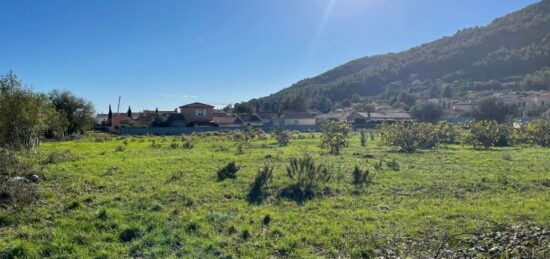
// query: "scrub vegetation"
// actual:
[[89, 198]]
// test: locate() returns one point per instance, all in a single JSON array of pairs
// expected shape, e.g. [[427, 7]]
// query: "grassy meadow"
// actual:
[[140, 197]]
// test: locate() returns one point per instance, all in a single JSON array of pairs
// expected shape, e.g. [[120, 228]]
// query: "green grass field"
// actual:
[[163, 202]]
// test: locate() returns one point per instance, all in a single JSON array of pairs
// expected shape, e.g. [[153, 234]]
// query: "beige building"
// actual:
[[197, 112]]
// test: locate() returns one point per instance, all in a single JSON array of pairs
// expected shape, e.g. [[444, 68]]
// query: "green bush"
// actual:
[[283, 137], [410, 136], [228, 171], [360, 177], [129, 234], [482, 134], [538, 132], [363, 138], [334, 135], [307, 177]]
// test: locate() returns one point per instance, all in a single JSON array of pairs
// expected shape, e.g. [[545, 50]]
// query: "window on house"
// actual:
[[200, 112]]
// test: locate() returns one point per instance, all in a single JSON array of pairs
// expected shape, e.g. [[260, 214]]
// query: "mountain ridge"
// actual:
[[510, 46]]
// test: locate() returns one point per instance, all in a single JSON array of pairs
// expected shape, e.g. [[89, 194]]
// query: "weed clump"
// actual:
[[129, 234], [187, 144], [257, 191], [393, 165], [59, 157], [307, 177], [283, 137], [240, 149], [360, 177], [228, 171], [267, 220]]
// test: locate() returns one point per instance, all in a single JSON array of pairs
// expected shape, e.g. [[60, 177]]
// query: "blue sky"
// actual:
[[165, 53]]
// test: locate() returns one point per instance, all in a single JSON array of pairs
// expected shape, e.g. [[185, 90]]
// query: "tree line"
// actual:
[[27, 117]]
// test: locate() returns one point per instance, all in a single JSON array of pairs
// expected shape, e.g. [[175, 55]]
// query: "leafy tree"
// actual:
[[428, 112], [228, 108], [334, 135], [538, 132], [243, 108], [25, 116], [493, 109], [482, 134], [448, 92], [539, 80], [78, 112], [365, 107], [298, 103], [410, 136], [9, 82]]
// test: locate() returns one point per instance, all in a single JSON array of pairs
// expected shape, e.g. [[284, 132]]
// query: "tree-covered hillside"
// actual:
[[507, 50]]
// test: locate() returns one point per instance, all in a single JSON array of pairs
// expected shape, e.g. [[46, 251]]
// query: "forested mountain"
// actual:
[[513, 48]]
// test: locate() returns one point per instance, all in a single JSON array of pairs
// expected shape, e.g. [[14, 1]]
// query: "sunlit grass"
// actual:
[[165, 202]]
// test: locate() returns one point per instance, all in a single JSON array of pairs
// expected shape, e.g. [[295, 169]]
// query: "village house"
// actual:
[[249, 120], [335, 115], [297, 119], [119, 120], [197, 114], [269, 118], [225, 120]]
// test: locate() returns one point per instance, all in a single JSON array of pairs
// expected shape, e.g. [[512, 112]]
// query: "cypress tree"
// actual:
[[110, 116], [129, 112]]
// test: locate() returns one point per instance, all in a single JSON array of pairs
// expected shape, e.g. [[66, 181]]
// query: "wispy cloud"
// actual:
[[201, 40], [166, 95], [185, 96]]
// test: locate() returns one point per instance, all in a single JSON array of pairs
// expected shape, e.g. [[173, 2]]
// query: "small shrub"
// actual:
[[17, 192], [102, 138], [129, 234], [187, 144], [102, 215], [174, 145], [360, 177], [393, 165], [154, 144], [228, 171], [378, 165], [363, 138], [240, 149], [125, 142], [266, 220], [507, 156], [120, 149], [257, 191], [283, 137], [245, 234], [58, 157], [307, 177], [192, 227]]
